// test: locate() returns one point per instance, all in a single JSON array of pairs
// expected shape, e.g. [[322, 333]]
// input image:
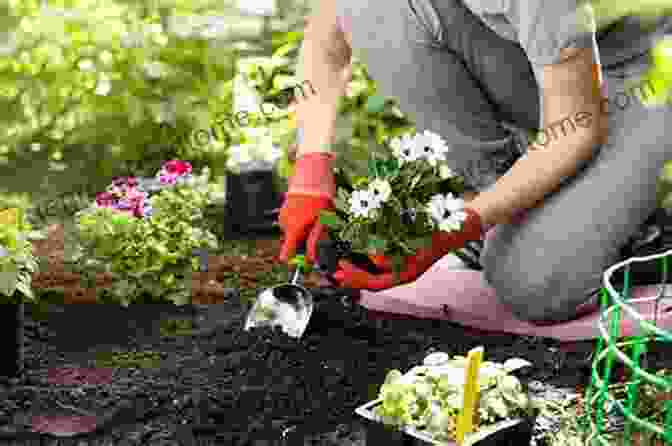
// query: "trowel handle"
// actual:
[[298, 271], [329, 253], [296, 277]]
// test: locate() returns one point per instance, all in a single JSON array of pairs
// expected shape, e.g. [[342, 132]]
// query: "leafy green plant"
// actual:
[[429, 399], [86, 84], [17, 262], [367, 119], [151, 256]]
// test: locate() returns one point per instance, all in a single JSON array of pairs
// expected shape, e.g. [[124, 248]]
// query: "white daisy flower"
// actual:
[[362, 203], [380, 190], [447, 212], [431, 147], [405, 149]]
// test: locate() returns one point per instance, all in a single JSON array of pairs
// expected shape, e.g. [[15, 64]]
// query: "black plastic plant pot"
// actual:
[[11, 339], [252, 202]]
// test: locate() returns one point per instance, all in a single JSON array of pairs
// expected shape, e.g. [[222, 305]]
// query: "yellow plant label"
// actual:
[[465, 423]]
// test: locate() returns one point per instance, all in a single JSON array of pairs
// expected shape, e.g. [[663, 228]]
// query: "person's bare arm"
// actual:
[[323, 58], [571, 87]]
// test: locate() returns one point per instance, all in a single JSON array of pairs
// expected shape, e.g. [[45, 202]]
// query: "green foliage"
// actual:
[[17, 262], [152, 257], [406, 187], [429, 399], [368, 120], [129, 359], [85, 86]]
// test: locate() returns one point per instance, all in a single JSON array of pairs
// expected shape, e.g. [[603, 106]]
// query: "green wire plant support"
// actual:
[[647, 416]]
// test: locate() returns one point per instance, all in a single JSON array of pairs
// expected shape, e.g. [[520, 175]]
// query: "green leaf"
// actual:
[[8, 282], [331, 219], [375, 104], [419, 243], [373, 168], [286, 49], [376, 244], [25, 289]]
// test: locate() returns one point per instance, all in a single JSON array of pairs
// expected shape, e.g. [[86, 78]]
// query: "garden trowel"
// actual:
[[290, 305]]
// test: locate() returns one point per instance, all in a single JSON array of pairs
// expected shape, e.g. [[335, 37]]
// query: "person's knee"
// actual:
[[539, 298]]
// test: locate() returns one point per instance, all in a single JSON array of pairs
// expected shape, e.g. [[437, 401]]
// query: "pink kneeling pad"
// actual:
[[462, 296], [450, 291]]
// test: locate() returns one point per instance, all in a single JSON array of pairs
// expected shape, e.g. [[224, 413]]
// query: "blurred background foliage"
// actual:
[[92, 89]]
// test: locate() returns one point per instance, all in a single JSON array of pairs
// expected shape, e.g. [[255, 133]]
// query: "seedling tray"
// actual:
[[514, 432]]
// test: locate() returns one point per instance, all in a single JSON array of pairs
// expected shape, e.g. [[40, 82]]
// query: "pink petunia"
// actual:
[[177, 167], [106, 199]]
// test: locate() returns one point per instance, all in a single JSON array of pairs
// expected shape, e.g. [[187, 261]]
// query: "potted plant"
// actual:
[[407, 195], [145, 233], [253, 199], [425, 403], [17, 264]]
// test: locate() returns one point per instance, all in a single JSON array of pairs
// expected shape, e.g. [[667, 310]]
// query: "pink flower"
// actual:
[[177, 167], [167, 179], [135, 194], [105, 199]]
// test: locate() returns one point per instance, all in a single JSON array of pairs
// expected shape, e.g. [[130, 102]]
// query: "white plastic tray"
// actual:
[[366, 411]]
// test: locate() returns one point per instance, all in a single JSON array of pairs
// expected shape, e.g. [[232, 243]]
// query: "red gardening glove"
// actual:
[[349, 276], [311, 190]]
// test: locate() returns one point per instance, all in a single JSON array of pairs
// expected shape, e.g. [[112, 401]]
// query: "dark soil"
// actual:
[[217, 384]]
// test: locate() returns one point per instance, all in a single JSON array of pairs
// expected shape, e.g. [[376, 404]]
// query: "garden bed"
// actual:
[[212, 383], [245, 265], [241, 388]]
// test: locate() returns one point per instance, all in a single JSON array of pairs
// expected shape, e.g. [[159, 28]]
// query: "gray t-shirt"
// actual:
[[543, 28]]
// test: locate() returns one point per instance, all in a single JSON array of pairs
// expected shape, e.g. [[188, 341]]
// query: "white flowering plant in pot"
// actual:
[[255, 150], [406, 196]]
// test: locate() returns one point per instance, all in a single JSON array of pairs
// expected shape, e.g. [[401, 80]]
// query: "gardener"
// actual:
[[566, 203]]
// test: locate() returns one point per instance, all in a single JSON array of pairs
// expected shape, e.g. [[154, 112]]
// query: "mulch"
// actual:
[[207, 287]]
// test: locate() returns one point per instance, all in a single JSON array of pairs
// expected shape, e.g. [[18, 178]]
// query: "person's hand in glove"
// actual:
[[312, 189], [349, 276]]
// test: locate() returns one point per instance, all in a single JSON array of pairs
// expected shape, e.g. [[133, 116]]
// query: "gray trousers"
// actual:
[[454, 76]]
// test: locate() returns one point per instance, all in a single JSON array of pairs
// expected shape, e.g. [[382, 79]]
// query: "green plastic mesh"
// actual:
[[633, 398]]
